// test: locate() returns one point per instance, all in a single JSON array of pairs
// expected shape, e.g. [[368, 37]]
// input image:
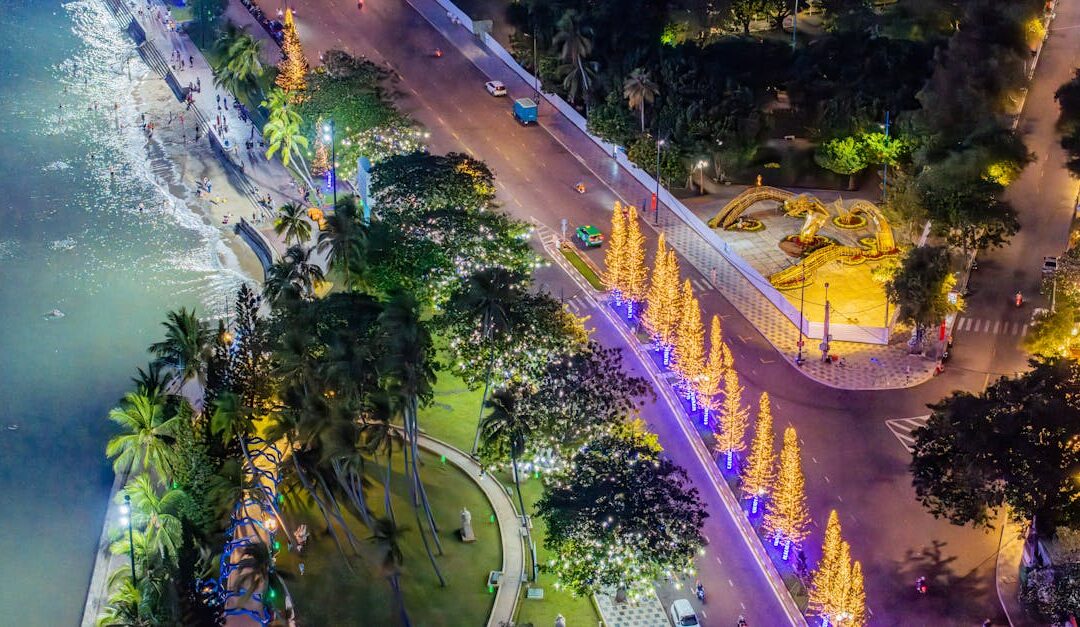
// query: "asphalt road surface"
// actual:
[[853, 461]]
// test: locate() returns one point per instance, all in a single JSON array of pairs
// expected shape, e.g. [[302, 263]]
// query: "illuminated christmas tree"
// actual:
[[713, 378], [664, 309], [731, 425], [761, 462], [786, 514], [615, 256], [320, 164], [654, 297], [633, 284], [853, 613], [825, 593], [690, 345], [293, 68]]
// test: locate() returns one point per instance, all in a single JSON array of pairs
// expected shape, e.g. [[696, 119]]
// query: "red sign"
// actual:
[[654, 202], [941, 332]]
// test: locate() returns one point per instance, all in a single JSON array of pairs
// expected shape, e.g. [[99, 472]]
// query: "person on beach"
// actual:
[[198, 84], [191, 61]]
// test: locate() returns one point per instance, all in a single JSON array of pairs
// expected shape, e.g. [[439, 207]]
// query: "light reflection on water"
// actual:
[[72, 239]]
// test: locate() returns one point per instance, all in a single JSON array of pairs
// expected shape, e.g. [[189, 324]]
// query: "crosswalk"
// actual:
[[577, 303], [902, 428], [701, 285], [992, 327]]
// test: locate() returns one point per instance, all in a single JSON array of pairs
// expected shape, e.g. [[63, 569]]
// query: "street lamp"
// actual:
[[701, 175], [328, 136], [125, 520], [802, 302], [656, 196]]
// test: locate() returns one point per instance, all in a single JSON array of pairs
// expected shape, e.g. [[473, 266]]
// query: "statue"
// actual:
[[466, 526], [560, 621], [759, 180]]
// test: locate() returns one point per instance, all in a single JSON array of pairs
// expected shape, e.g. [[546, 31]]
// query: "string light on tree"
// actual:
[[761, 462], [690, 345], [733, 419], [633, 284], [293, 67], [615, 255], [786, 515], [712, 378]]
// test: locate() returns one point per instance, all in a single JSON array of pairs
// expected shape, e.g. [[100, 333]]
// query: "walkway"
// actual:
[[513, 549], [869, 366], [250, 171]]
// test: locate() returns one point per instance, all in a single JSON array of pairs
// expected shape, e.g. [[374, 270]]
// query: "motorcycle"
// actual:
[[580, 187], [360, 5], [700, 590], [437, 53], [920, 585], [742, 622], [1019, 299]]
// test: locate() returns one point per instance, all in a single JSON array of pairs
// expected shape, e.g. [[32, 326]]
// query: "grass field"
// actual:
[[585, 269], [336, 591], [452, 418]]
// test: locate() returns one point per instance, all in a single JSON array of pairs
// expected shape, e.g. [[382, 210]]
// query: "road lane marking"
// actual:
[[903, 427], [731, 583], [997, 325]]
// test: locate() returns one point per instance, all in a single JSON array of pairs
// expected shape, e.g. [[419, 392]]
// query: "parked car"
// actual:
[[1050, 265], [495, 88], [589, 235], [682, 614]]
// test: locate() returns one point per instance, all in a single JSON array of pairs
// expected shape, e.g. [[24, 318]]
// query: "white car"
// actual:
[[682, 614], [495, 88], [1050, 265]]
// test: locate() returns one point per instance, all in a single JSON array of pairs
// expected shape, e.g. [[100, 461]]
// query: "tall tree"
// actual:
[[1014, 444], [760, 474], [293, 67], [921, 288], [156, 515], [732, 422], [712, 379], [240, 65], [284, 134], [295, 276], [615, 254], [408, 368], [574, 41], [690, 345], [640, 90], [489, 296], [826, 594], [664, 300], [786, 516], [843, 155], [292, 223], [186, 344], [633, 287], [345, 240], [388, 536], [621, 515], [145, 445]]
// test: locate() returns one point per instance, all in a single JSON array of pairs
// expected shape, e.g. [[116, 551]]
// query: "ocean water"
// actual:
[[72, 239]]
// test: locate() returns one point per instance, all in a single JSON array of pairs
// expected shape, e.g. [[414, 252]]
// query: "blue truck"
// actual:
[[525, 111]]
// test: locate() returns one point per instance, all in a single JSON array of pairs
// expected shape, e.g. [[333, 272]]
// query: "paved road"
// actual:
[[854, 462]]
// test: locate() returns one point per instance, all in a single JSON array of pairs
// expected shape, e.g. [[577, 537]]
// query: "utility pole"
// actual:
[[794, 25], [885, 177]]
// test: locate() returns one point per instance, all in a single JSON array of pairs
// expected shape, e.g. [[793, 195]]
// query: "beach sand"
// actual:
[[181, 165]]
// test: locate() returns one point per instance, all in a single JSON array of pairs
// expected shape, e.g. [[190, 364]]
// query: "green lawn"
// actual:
[[329, 593], [452, 418], [585, 269]]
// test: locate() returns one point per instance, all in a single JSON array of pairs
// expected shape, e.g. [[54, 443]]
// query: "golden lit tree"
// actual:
[[615, 255], [690, 344], [761, 462], [731, 424], [853, 613], [293, 67], [320, 163], [633, 285], [713, 378], [786, 515], [654, 297], [825, 595]]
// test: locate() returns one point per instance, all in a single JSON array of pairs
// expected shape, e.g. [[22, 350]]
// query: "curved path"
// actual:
[[513, 551]]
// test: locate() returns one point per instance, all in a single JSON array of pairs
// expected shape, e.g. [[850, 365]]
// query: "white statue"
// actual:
[[466, 526]]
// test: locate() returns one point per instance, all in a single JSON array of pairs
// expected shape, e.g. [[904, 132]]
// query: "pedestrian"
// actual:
[[218, 96], [181, 119], [301, 569], [191, 60], [198, 84]]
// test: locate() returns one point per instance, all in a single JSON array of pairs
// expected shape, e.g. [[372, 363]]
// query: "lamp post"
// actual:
[[802, 302], [328, 136], [794, 24], [656, 196], [885, 175], [125, 519], [701, 175]]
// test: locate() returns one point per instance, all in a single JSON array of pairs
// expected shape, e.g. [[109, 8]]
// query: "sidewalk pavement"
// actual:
[[1007, 577], [647, 612], [869, 366], [513, 550]]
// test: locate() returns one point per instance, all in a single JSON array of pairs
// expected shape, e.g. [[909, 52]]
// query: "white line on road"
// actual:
[[814, 459], [731, 583], [997, 325], [826, 476]]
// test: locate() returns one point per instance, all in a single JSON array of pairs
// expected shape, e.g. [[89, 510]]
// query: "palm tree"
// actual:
[[154, 381], [407, 364], [146, 444], [291, 221], [489, 295], [255, 572], [577, 79], [296, 274], [186, 346], [127, 605], [574, 39], [240, 64], [388, 536], [283, 134], [506, 431], [156, 515], [639, 90], [379, 433], [231, 420], [345, 237]]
